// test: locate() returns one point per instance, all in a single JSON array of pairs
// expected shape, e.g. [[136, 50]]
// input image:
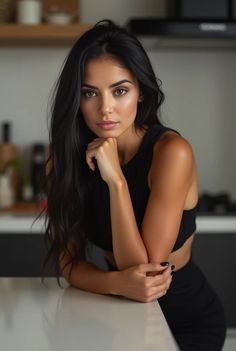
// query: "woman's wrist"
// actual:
[[113, 283], [117, 183]]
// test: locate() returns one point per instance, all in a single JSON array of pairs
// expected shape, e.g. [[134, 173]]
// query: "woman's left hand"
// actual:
[[106, 154]]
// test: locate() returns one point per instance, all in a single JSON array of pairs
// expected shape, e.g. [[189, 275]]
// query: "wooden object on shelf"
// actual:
[[8, 154], [71, 6], [6, 10]]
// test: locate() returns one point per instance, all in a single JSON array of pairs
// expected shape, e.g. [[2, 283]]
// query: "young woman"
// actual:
[[121, 180]]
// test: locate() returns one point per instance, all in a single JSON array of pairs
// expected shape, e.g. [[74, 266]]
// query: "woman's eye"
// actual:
[[88, 93], [120, 91]]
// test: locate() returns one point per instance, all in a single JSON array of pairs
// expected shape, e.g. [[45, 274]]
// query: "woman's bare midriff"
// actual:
[[178, 258]]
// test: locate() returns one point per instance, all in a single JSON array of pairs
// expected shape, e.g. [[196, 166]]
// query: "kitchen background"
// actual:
[[200, 87]]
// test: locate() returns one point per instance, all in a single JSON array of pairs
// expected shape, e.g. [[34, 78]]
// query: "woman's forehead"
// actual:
[[106, 68]]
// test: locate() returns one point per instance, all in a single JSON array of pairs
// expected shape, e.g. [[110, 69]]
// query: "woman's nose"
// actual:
[[106, 105]]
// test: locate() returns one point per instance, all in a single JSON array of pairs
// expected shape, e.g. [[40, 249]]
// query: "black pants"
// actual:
[[193, 311]]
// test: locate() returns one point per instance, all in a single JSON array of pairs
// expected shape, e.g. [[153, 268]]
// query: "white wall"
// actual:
[[120, 10], [200, 89]]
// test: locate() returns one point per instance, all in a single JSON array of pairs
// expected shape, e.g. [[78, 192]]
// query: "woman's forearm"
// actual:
[[132, 283], [128, 246], [88, 277]]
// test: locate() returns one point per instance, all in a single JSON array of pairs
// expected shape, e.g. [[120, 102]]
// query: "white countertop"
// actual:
[[23, 224], [34, 317], [20, 224]]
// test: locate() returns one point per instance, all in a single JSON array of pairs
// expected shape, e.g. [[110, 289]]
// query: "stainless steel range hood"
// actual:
[[182, 28]]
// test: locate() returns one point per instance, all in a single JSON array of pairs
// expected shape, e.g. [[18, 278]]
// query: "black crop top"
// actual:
[[97, 212]]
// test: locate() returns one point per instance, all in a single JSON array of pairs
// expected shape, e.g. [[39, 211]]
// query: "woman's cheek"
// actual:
[[129, 108]]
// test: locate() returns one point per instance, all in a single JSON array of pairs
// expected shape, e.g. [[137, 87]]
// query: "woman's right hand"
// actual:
[[144, 283]]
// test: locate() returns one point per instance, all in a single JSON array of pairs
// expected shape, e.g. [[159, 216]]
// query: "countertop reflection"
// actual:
[[44, 317]]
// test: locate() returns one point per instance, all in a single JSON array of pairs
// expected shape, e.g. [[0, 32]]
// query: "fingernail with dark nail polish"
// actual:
[[164, 264], [172, 272], [173, 267]]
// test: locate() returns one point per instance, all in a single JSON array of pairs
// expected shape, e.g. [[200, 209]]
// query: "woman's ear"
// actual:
[[140, 99]]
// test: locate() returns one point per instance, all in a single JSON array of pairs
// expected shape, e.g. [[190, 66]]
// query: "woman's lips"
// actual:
[[107, 125]]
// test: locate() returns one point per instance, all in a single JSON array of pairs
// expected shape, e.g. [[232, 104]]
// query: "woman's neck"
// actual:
[[128, 145]]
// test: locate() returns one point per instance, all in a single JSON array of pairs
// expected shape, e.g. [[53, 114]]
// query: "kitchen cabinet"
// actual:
[[215, 255], [22, 255], [22, 241]]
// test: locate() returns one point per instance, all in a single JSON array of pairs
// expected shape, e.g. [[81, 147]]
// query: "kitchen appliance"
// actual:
[[216, 204], [201, 9], [189, 19]]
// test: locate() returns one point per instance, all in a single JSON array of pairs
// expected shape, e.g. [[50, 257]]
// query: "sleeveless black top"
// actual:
[[97, 212]]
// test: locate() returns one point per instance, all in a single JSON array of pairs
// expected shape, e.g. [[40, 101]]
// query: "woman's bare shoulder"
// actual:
[[173, 160], [172, 146]]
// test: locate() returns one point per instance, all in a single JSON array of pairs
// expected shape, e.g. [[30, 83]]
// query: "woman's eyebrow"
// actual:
[[85, 85], [120, 82]]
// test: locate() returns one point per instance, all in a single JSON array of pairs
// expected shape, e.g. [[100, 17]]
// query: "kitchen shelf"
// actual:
[[41, 35], [21, 208]]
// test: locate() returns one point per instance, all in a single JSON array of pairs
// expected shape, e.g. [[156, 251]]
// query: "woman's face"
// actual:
[[109, 99]]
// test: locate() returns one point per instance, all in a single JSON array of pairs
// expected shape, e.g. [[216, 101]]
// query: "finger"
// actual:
[[151, 267], [169, 280], [89, 160], [161, 294], [97, 141], [162, 280], [94, 145], [161, 270], [155, 295], [167, 273]]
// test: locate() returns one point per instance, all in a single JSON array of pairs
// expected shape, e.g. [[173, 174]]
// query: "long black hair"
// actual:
[[69, 176]]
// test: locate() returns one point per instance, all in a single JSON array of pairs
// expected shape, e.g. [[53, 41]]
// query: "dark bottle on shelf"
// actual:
[[38, 169]]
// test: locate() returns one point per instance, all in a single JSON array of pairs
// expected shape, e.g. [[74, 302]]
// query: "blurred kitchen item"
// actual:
[[218, 203], [6, 10], [29, 12], [6, 130], [27, 192], [8, 151], [58, 16], [189, 19], [202, 9], [9, 157], [43, 202], [6, 191], [61, 11], [37, 169]]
